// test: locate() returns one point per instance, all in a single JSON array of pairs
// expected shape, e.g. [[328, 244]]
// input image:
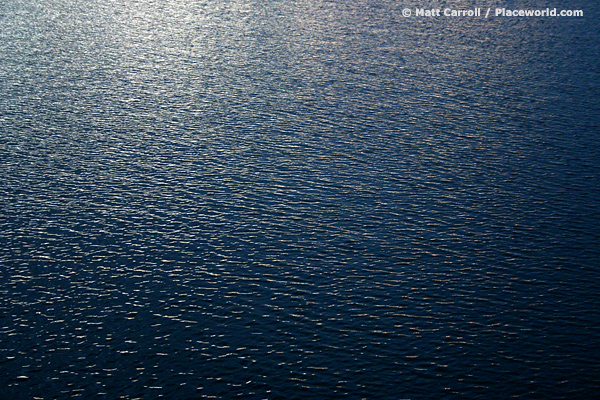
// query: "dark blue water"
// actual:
[[297, 200]]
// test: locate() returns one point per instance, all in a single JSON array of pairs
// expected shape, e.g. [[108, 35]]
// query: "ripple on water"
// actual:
[[290, 200]]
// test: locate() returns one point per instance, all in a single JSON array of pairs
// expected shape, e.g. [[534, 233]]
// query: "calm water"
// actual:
[[296, 200]]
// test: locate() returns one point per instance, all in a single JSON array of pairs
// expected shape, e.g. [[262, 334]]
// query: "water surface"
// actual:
[[297, 199]]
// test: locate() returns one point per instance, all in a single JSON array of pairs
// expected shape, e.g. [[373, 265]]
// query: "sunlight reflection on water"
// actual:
[[296, 200]]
